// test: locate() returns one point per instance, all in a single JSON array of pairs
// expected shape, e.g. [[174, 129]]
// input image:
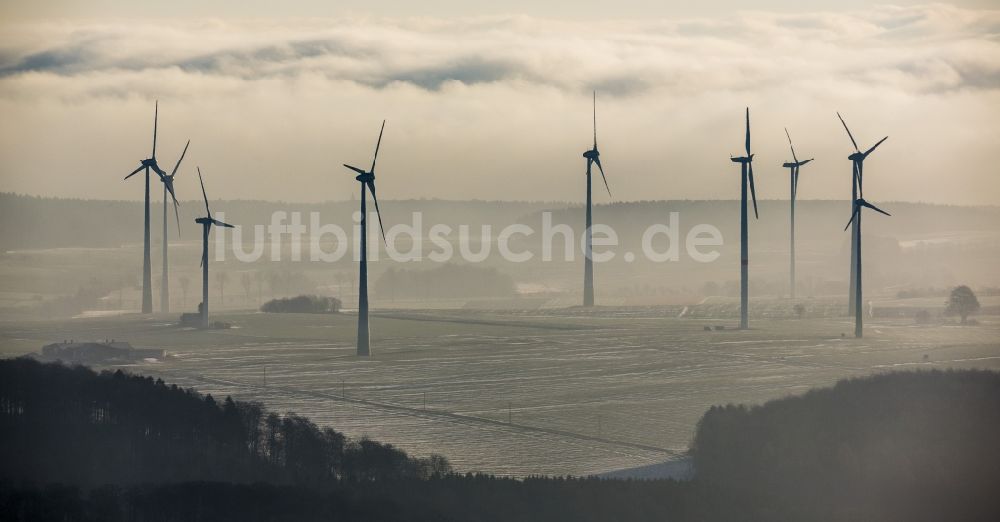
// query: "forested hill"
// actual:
[[895, 446], [28, 222], [72, 425]]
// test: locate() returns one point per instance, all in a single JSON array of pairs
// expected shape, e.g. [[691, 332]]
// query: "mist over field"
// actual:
[[83, 243]]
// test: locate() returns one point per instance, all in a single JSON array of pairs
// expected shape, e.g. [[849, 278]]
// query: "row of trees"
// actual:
[[71, 425], [303, 304]]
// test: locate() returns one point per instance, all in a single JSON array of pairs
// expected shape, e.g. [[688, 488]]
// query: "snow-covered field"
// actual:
[[519, 393]]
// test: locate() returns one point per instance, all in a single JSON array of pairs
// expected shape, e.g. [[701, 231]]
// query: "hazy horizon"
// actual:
[[155, 197]]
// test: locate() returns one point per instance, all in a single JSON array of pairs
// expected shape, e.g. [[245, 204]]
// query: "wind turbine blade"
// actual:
[[753, 192], [179, 160], [156, 118], [599, 167], [855, 213], [136, 171], [221, 224], [790, 145], [873, 207], [869, 151], [748, 132], [168, 183], [200, 180], [355, 169], [178, 216], [159, 172], [203, 257], [371, 187], [861, 177], [854, 174], [595, 125], [848, 132], [377, 145], [803, 162]]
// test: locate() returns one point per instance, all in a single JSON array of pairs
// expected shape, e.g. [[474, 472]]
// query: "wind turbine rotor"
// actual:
[[355, 169], [595, 129], [748, 133], [203, 195], [849, 135], [179, 160], [866, 204], [156, 117], [177, 215], [136, 171], [869, 151], [159, 172], [371, 187], [377, 145], [861, 177], [791, 146], [597, 160], [168, 181], [853, 215], [857, 210]]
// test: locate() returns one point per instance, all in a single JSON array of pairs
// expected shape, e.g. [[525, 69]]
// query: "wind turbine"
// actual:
[[856, 221], [367, 180], [147, 164], [857, 174], [793, 168], [168, 186], [746, 172], [206, 226], [593, 156]]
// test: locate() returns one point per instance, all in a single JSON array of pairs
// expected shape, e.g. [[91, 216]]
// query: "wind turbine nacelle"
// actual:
[[789, 165], [203, 221], [148, 162], [591, 154], [367, 177], [741, 159], [857, 156]]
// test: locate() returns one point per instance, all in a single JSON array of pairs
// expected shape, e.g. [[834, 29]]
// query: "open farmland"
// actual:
[[516, 393]]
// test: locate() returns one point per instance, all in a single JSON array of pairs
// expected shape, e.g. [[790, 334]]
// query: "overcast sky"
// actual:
[[490, 102]]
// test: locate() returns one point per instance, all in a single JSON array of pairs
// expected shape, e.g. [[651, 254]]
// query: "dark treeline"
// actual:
[[897, 446], [445, 281], [901, 446], [451, 498], [74, 426]]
